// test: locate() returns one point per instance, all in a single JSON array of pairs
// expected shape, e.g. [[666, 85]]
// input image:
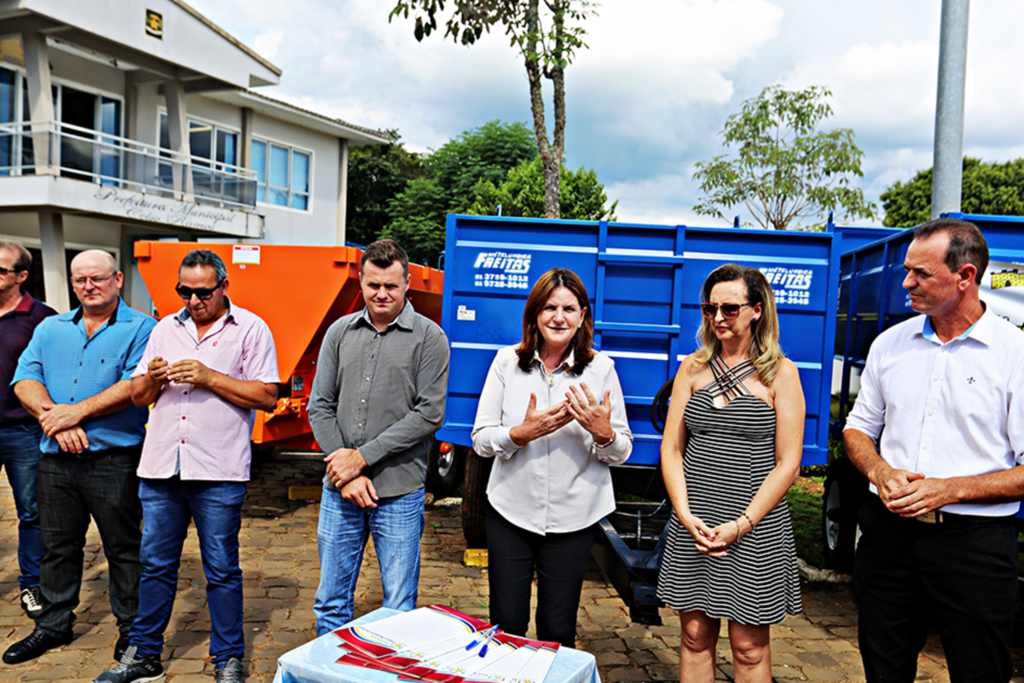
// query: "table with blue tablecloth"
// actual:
[[314, 662]]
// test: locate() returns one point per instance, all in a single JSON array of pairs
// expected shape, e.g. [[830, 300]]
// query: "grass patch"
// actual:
[[804, 499]]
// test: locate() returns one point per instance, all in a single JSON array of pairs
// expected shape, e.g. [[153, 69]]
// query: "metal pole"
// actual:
[[949, 108]]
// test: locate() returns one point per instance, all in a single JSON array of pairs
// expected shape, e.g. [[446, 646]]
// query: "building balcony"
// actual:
[[70, 168]]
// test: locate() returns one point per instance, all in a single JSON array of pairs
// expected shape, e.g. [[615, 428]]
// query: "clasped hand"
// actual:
[[712, 542], [187, 371], [911, 494]]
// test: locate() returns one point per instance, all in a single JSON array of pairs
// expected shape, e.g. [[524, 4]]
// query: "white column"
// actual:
[[177, 129], [342, 194], [40, 97], [55, 265]]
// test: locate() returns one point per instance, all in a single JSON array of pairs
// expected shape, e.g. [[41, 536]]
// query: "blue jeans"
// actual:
[[19, 454], [168, 505], [396, 524]]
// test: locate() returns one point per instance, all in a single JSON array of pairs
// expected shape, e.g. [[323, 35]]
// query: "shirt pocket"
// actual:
[[108, 370]]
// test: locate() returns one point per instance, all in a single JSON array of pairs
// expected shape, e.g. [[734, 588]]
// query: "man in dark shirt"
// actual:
[[20, 433]]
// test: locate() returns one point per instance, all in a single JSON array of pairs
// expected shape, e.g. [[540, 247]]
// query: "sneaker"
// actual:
[[231, 673], [132, 670], [32, 600]]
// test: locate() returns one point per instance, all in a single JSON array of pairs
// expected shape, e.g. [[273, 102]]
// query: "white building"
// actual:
[[123, 120]]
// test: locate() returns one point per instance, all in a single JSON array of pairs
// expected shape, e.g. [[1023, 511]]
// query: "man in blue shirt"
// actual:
[[75, 379]]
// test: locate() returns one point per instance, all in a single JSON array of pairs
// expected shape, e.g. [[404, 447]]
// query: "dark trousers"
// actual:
[[959, 575], [560, 561], [72, 489]]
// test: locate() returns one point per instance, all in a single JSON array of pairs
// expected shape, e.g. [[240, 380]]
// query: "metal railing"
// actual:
[[60, 149]]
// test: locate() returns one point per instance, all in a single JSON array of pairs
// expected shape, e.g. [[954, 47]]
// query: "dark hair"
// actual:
[[383, 253], [205, 257], [24, 259], [966, 243], [582, 341], [764, 343]]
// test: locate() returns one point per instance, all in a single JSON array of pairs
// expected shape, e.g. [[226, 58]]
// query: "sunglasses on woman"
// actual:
[[728, 310], [201, 293]]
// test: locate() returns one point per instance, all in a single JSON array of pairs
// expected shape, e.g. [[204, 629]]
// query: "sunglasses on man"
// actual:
[[201, 293], [728, 310]]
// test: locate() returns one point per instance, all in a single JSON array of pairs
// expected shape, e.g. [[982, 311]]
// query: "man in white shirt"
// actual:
[[939, 543]]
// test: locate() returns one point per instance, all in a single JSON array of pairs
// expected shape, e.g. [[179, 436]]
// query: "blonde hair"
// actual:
[[764, 341]]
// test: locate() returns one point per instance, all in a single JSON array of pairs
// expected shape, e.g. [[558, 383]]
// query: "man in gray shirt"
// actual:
[[376, 401]]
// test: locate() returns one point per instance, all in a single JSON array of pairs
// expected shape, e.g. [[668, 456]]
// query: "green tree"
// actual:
[[484, 153], [785, 170], [416, 216], [987, 188], [522, 194], [417, 220], [376, 174], [546, 34]]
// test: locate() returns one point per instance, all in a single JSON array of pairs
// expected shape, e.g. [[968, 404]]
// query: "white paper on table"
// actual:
[[537, 668], [410, 630], [466, 663]]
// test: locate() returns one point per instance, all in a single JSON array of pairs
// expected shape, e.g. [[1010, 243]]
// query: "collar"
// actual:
[[25, 305], [403, 321], [184, 315], [981, 331], [567, 363], [120, 313]]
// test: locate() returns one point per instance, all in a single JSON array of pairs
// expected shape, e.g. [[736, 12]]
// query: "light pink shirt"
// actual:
[[208, 433]]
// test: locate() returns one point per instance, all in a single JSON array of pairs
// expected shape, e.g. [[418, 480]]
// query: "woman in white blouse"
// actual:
[[552, 415]]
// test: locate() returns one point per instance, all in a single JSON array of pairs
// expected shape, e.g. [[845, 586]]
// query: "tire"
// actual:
[[845, 489], [474, 500], [444, 469]]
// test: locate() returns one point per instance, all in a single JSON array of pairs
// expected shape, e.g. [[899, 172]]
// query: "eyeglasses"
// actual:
[[728, 310], [201, 293], [8, 271], [96, 281]]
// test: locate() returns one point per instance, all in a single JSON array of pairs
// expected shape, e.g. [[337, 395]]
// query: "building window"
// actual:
[[282, 174], [211, 147]]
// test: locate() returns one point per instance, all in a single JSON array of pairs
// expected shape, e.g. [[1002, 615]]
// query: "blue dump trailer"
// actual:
[[645, 287], [872, 299]]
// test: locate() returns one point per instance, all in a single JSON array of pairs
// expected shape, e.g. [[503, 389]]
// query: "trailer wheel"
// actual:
[[444, 469], [845, 489], [474, 500]]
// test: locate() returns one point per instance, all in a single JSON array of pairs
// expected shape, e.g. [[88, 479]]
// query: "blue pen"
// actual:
[[486, 637]]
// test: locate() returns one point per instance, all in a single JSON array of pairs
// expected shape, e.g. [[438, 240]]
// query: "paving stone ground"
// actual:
[[281, 569]]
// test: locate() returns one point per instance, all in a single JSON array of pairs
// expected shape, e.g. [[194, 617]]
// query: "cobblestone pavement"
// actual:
[[279, 560]]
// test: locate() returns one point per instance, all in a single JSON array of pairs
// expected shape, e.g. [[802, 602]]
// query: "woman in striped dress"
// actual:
[[732, 447]]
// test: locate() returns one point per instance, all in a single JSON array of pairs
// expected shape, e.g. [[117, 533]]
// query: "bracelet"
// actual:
[[607, 443], [738, 535], [749, 521]]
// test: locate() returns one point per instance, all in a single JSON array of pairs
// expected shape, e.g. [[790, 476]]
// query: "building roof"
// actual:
[[227, 36], [356, 135]]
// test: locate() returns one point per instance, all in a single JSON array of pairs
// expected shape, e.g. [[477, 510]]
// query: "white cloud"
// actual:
[[648, 98]]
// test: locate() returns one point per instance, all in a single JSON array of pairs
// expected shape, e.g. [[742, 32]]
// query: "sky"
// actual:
[[649, 97]]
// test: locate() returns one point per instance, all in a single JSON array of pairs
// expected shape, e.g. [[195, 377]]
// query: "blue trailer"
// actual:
[[872, 299], [644, 282]]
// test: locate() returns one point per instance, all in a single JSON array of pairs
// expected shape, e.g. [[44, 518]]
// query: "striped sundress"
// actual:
[[729, 452]]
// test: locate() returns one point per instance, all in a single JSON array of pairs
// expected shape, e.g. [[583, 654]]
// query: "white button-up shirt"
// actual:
[[949, 409], [559, 482]]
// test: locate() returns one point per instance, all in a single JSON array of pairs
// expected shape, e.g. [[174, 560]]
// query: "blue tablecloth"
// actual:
[[314, 662]]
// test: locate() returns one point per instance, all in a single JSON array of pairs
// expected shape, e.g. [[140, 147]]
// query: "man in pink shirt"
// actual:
[[207, 369]]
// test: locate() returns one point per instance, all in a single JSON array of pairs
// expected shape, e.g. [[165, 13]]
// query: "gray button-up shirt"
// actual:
[[383, 393]]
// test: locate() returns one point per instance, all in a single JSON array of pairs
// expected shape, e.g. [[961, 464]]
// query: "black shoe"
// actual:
[[123, 641], [32, 600], [132, 670], [37, 643]]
